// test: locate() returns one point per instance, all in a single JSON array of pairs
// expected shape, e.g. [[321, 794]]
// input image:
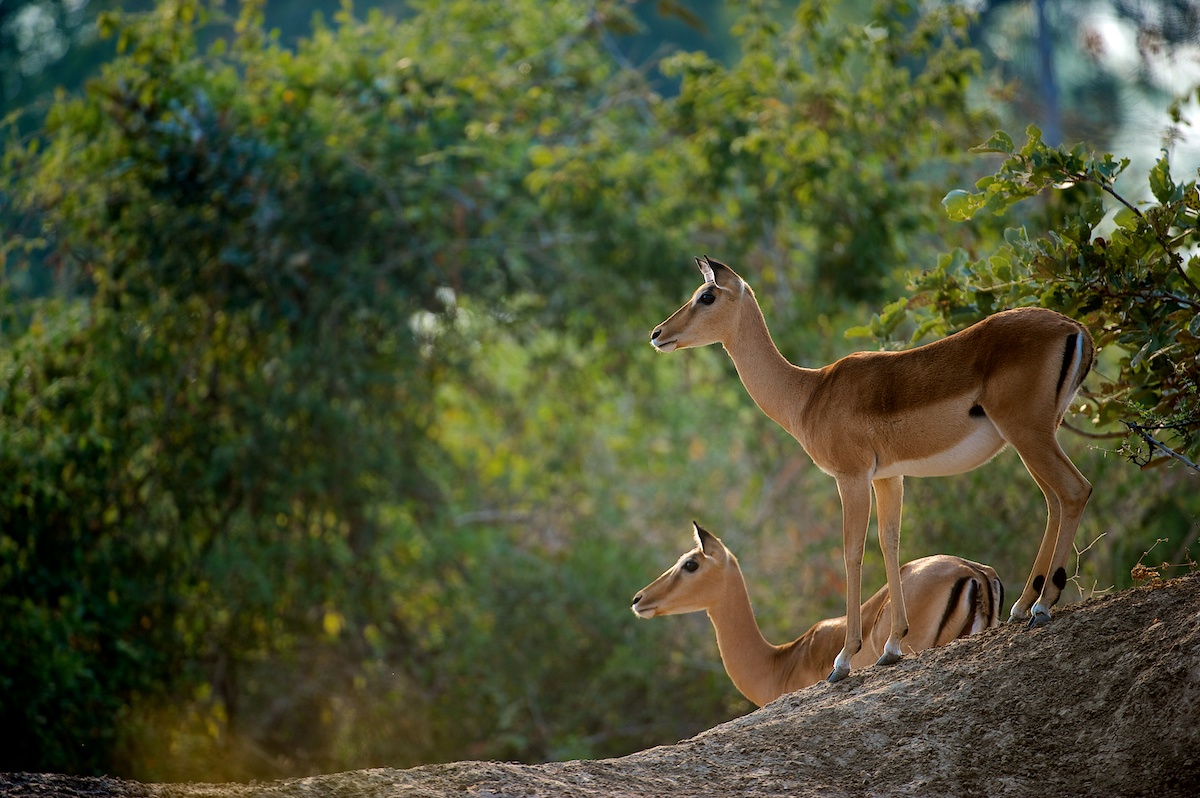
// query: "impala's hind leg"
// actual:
[[1067, 493], [1022, 607], [1074, 496]]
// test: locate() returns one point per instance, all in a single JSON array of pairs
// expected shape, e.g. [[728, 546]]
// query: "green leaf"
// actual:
[[893, 314], [1193, 269], [1092, 211], [1016, 237], [858, 331], [961, 205], [1127, 219], [1001, 266], [1161, 184], [1000, 142], [1034, 135], [931, 325]]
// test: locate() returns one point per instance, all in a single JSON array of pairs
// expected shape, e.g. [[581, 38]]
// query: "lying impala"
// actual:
[[872, 418], [947, 598]]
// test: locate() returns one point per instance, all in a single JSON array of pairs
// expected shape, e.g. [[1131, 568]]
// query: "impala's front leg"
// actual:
[[855, 493], [889, 497]]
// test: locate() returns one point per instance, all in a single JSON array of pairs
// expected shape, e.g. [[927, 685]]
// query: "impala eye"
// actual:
[[707, 298], [690, 565]]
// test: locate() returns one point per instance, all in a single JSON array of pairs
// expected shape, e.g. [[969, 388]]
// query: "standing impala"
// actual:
[[872, 418], [948, 597]]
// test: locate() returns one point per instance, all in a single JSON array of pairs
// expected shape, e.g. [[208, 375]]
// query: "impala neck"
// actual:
[[775, 385], [749, 659]]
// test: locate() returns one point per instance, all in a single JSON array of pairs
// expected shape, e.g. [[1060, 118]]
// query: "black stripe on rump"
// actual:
[[972, 607], [1068, 359], [955, 594], [994, 601]]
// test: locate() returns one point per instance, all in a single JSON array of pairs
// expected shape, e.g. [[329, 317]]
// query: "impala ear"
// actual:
[[706, 540], [710, 268]]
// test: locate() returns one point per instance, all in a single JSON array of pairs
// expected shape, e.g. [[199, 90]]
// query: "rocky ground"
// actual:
[[1104, 701]]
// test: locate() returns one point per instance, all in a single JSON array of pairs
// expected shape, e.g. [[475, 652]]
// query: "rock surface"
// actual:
[[1105, 700]]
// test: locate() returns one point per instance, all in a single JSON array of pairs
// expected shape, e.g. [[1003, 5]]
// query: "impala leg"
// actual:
[[1041, 564], [855, 493], [889, 498], [1073, 491], [1067, 493]]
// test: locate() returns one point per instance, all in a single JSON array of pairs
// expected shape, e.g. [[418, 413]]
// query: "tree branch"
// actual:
[[1155, 444], [1092, 435]]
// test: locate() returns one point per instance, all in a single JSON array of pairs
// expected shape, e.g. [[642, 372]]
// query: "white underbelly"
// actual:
[[971, 452]]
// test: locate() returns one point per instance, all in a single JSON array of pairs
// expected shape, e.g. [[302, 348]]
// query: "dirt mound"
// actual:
[[1105, 700]]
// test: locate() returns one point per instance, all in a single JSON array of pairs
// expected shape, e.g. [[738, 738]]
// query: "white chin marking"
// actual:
[[668, 346]]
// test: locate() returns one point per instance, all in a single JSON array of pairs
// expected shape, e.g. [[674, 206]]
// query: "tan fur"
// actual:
[[938, 606], [872, 418]]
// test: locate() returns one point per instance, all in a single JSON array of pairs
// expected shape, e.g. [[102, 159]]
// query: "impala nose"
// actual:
[[654, 335], [636, 599]]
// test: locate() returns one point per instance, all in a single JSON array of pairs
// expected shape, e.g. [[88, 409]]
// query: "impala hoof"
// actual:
[[1040, 618], [889, 658], [838, 674]]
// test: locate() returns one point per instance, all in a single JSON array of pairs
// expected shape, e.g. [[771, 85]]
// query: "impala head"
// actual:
[[691, 584], [709, 316]]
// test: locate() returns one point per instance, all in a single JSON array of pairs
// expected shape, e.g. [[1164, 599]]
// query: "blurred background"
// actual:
[[330, 435]]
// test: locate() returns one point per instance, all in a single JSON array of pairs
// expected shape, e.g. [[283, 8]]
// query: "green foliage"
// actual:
[[246, 389], [797, 144], [67, 628]]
